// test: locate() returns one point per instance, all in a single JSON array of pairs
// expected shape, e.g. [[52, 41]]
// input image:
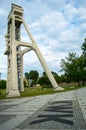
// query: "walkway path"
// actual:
[[60, 111]]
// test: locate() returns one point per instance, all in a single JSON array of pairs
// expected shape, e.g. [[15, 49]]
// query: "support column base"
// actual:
[[13, 93], [58, 88], [22, 90]]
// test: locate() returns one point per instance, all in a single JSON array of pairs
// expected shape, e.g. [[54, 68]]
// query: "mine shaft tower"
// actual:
[[15, 54]]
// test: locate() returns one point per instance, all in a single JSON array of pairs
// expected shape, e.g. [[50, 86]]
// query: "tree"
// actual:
[[63, 78], [83, 56], [2, 84], [33, 75], [75, 67], [83, 61], [43, 80], [26, 83], [57, 77], [83, 47], [72, 68], [82, 67], [26, 75]]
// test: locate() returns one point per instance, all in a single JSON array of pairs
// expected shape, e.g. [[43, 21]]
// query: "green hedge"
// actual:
[[2, 84]]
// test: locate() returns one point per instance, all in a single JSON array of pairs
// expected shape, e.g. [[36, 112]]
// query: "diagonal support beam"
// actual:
[[42, 61], [26, 50]]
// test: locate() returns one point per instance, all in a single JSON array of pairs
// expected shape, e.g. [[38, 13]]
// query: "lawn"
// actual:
[[34, 91], [2, 93]]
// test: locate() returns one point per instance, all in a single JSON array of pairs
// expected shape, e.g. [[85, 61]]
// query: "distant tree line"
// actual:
[[33, 78], [74, 68]]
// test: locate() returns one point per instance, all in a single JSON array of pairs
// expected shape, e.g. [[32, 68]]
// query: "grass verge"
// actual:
[[34, 91]]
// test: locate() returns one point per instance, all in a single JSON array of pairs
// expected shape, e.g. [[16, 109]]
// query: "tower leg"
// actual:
[[47, 70], [7, 84], [43, 63], [21, 79], [13, 88]]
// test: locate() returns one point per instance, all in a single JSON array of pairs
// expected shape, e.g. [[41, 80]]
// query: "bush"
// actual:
[[2, 84]]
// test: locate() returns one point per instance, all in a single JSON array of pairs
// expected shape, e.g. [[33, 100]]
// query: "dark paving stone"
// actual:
[[79, 122], [4, 118], [58, 114], [4, 107]]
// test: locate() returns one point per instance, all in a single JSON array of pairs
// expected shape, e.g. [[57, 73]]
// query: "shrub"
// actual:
[[2, 84]]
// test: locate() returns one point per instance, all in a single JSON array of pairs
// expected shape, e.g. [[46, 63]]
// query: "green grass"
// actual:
[[3, 93], [34, 91], [70, 86]]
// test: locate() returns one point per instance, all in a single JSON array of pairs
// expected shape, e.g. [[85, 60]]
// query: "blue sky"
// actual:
[[58, 27]]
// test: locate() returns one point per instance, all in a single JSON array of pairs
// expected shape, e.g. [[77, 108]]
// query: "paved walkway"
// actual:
[[60, 111]]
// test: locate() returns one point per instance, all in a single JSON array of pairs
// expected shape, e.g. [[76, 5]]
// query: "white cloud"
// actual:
[[69, 12], [58, 27], [52, 22], [3, 12], [3, 63], [30, 57]]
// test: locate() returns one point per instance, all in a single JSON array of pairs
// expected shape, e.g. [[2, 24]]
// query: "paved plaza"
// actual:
[[59, 111]]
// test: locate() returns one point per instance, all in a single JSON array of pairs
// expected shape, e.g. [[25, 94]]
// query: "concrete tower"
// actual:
[[15, 54]]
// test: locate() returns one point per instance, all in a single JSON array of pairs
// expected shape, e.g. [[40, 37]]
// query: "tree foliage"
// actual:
[[2, 84], [27, 75], [43, 80], [32, 77], [84, 48], [75, 66], [70, 66]]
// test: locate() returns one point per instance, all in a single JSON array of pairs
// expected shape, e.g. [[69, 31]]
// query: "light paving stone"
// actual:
[[81, 96], [18, 111]]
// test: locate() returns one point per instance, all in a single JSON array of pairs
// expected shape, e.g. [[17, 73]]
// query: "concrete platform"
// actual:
[[60, 111]]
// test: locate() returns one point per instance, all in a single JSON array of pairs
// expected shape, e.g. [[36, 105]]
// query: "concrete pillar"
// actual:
[[43, 63], [7, 85], [46, 68], [21, 80], [13, 90]]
